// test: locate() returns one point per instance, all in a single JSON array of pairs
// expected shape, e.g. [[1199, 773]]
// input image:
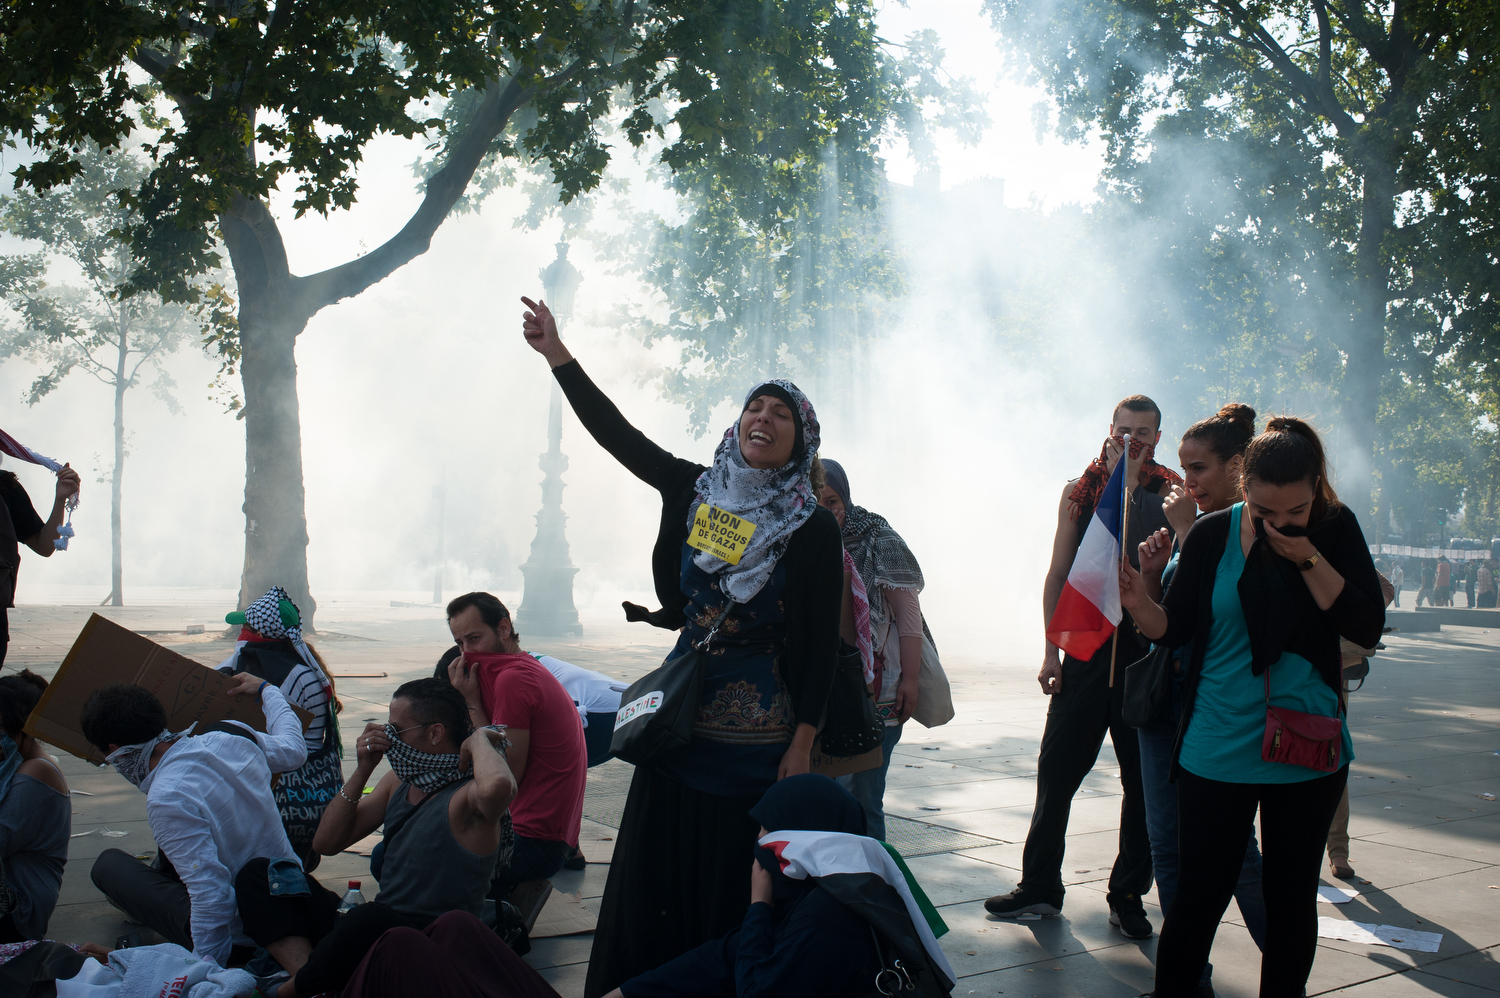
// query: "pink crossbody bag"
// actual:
[[1300, 739]]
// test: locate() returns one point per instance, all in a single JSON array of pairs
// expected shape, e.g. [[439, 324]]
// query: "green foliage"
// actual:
[[772, 259], [89, 326], [1309, 190]]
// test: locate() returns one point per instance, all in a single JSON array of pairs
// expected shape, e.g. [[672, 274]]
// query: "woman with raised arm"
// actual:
[[1262, 593], [677, 879]]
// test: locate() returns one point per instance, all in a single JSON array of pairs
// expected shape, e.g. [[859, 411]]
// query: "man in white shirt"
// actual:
[[209, 804]]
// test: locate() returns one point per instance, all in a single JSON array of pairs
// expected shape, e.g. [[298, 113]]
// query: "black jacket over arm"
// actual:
[[1280, 612], [813, 559]]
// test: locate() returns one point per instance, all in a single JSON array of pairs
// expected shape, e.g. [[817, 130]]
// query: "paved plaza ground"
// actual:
[[1426, 839]]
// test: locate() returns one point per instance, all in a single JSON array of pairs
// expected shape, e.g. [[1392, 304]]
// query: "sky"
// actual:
[[425, 379]]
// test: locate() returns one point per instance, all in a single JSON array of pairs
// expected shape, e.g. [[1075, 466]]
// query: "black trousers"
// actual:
[[1213, 827], [1077, 719], [152, 895], [340, 942]]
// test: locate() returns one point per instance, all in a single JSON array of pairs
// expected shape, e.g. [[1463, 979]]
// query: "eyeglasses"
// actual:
[[414, 727]]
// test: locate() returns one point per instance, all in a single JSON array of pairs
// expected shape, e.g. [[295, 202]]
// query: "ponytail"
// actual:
[[1290, 451], [1227, 432]]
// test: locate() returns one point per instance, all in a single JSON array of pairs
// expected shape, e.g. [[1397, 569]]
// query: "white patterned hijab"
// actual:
[[776, 500]]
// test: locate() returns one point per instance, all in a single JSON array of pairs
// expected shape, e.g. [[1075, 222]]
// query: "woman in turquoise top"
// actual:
[[1262, 593]]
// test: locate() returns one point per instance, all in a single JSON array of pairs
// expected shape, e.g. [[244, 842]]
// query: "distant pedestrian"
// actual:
[[1471, 576], [1484, 587], [1398, 579], [1442, 590], [1426, 591]]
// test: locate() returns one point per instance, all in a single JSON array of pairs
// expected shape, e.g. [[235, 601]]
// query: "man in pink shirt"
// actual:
[[504, 685]]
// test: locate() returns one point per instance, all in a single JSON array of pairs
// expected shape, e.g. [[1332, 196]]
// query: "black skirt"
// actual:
[[680, 877]]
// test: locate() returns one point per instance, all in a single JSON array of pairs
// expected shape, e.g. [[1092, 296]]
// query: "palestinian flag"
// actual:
[[830, 854]]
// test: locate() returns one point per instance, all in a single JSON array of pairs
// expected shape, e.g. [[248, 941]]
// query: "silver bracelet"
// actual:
[[346, 797]]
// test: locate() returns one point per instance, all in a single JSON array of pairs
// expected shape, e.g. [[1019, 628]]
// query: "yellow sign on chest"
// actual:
[[721, 534]]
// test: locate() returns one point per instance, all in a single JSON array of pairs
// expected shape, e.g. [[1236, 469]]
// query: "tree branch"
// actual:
[[1316, 99], [444, 188]]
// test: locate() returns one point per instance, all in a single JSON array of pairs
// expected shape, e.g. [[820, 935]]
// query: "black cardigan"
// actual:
[[814, 557], [1280, 612]]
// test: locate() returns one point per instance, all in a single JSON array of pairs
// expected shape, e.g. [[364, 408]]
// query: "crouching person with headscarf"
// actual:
[[833, 913], [765, 616], [270, 647], [444, 808], [208, 801]]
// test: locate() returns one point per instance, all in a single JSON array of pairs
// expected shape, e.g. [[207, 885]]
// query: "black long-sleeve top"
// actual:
[[1280, 612], [813, 559]]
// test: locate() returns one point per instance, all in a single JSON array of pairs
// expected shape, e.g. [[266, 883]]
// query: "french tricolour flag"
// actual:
[[1089, 608]]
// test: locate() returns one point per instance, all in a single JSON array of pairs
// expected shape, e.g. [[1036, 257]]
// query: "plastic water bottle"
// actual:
[[352, 897]]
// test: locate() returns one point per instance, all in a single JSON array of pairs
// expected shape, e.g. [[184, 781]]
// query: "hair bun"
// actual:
[[1239, 414]]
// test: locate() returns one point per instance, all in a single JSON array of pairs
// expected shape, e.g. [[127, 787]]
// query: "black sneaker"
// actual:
[[1130, 915], [1019, 902]]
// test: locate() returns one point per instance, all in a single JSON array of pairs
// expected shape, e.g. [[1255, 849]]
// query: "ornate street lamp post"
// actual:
[[547, 602]]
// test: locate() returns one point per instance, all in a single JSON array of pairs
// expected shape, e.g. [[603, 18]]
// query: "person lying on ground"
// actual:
[[503, 685], [443, 806], [36, 817], [209, 804], [270, 646]]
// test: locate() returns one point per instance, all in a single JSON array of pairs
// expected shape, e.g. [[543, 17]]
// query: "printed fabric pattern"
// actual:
[[776, 500], [744, 700], [134, 761], [881, 557]]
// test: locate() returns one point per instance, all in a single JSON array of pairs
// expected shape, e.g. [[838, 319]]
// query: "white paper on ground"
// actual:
[[1379, 935], [1336, 895]]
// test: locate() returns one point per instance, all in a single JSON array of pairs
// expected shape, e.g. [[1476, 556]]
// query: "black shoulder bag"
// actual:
[[852, 726], [657, 713], [1147, 698]]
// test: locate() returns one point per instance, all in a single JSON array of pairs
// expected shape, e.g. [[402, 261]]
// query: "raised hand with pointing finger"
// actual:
[[540, 329]]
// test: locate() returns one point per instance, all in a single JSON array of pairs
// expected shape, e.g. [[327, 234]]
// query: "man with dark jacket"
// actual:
[[1085, 705]]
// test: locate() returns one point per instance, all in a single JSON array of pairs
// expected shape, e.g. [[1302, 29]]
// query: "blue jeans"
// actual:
[[597, 736], [1161, 826], [869, 787]]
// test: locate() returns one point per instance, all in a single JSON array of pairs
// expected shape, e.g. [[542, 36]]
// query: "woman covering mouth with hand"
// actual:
[[772, 616]]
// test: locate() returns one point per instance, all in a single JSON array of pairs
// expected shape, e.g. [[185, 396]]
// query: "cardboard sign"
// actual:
[[721, 534], [842, 765], [107, 653]]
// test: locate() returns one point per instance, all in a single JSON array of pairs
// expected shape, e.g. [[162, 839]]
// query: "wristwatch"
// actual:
[[1309, 563]]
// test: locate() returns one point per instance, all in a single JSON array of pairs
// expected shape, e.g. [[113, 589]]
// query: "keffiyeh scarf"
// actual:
[[1085, 495], [264, 617], [134, 761], [776, 500], [882, 558], [430, 772]]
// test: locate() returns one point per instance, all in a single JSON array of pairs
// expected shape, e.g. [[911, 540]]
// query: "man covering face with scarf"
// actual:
[[443, 809], [209, 804]]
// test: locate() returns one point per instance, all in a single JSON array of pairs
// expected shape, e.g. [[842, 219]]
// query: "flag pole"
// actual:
[[1114, 643]]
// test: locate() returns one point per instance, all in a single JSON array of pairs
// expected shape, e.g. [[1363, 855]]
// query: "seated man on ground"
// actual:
[[504, 685], [36, 817], [438, 858], [209, 804]]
